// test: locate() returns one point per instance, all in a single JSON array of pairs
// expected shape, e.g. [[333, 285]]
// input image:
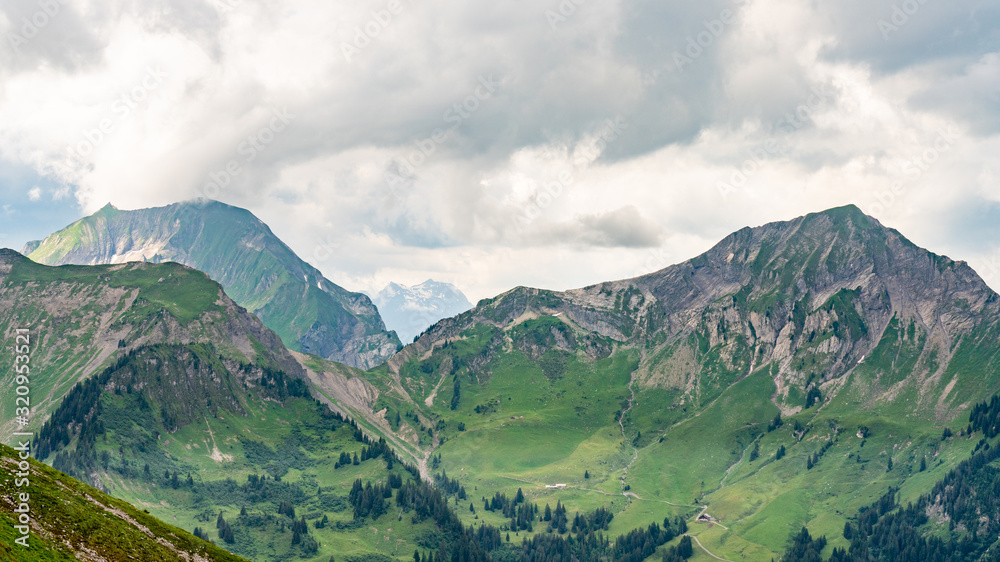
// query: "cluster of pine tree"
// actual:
[[500, 502], [79, 416], [225, 530], [371, 450], [426, 502], [283, 386], [968, 498], [804, 548], [423, 501], [982, 444], [597, 520], [589, 545], [552, 548], [681, 552], [300, 529], [377, 449], [395, 481], [558, 520], [456, 396], [300, 536], [369, 500], [286, 508], [449, 486], [481, 543], [813, 459], [345, 460], [522, 514], [640, 544], [986, 418], [813, 397]]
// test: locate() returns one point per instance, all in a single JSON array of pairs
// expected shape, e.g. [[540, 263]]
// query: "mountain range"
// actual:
[[409, 310], [829, 338], [259, 271], [149, 383], [817, 373]]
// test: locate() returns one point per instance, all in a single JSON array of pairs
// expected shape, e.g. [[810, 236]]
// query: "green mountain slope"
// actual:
[[189, 435], [72, 521], [235, 248], [789, 377], [80, 319], [148, 382], [657, 396]]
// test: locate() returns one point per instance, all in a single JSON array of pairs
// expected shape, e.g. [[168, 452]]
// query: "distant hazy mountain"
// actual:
[[257, 270], [411, 310]]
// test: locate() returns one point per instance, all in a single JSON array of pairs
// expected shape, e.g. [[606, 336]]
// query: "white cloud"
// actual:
[[526, 186], [35, 193]]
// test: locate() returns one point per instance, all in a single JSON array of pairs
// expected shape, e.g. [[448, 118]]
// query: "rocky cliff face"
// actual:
[[810, 299], [257, 270]]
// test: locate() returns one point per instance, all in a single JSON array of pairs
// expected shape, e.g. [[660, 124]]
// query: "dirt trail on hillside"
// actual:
[[635, 450], [216, 455], [722, 483], [707, 551], [429, 401]]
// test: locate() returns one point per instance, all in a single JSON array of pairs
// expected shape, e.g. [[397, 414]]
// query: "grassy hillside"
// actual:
[[144, 375], [790, 377], [828, 338], [514, 428], [188, 435], [80, 319], [71, 520]]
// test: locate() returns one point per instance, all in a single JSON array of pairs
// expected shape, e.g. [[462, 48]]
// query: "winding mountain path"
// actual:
[[635, 450], [707, 551], [722, 483]]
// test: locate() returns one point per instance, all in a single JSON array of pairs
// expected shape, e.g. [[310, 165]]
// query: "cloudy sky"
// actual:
[[492, 144]]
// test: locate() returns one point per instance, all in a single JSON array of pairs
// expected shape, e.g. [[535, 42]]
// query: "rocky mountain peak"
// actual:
[[9, 256], [235, 248], [808, 298]]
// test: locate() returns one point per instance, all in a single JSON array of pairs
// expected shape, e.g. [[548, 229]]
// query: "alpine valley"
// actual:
[[817, 389]]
